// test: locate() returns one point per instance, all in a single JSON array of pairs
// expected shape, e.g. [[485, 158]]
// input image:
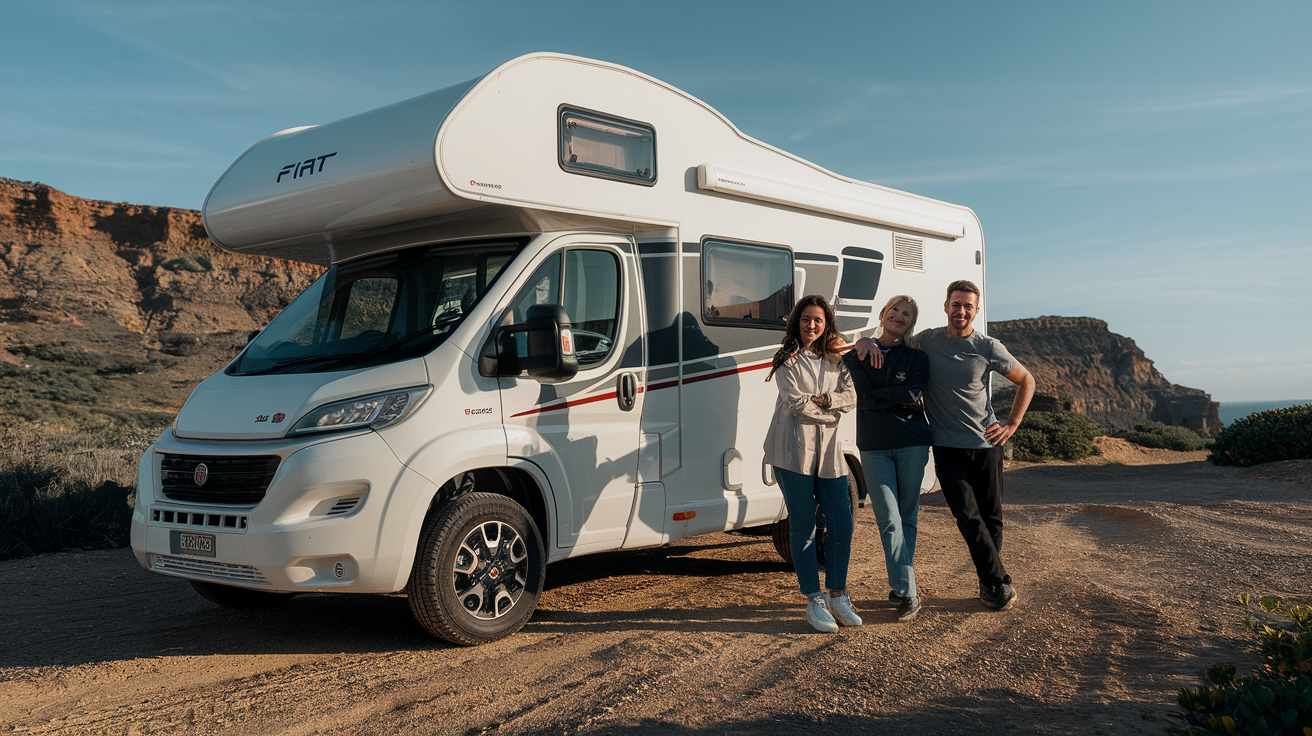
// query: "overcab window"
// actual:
[[746, 285], [593, 144]]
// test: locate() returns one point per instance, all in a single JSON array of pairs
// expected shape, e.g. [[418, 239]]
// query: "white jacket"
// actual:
[[803, 437]]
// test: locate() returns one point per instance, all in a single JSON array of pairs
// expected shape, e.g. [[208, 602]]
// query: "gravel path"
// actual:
[[1126, 576]]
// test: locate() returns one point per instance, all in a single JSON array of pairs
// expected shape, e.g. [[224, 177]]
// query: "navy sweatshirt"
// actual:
[[881, 421]]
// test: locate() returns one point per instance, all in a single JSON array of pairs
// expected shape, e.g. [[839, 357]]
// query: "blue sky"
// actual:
[[1143, 163]]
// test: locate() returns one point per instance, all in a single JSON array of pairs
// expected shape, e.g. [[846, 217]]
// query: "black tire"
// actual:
[[231, 596], [853, 492], [782, 544], [473, 544]]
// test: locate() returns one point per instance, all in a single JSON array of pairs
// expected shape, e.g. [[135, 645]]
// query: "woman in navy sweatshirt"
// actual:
[[894, 438]]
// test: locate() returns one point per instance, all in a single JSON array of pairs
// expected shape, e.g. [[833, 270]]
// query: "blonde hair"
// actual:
[[915, 311]]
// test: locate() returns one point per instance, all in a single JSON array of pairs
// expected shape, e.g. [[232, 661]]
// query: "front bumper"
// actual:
[[323, 524]]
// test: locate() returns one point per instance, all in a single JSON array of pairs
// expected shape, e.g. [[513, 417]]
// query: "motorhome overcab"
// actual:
[[551, 295]]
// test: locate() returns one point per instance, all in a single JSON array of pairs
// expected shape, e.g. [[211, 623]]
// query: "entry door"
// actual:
[[584, 433]]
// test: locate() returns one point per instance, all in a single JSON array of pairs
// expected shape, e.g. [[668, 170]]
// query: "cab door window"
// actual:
[[586, 282]]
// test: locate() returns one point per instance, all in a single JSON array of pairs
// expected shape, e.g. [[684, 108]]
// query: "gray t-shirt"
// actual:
[[957, 395]]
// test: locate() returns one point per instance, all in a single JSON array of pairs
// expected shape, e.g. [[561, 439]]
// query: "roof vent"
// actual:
[[908, 253]]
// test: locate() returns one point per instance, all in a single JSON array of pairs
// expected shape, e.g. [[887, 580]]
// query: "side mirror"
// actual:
[[549, 347]]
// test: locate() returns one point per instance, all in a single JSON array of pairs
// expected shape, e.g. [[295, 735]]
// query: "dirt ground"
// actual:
[[1127, 566]]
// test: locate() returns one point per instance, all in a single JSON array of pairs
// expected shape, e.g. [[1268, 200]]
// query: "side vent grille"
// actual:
[[908, 253], [343, 506]]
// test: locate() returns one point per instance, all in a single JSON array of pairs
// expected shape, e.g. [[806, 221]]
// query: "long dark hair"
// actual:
[[824, 344]]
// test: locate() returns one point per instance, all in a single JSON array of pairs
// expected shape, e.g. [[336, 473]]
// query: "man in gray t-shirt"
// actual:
[[968, 437]]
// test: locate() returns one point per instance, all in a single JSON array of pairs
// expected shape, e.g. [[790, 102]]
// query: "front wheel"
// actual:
[[479, 570]]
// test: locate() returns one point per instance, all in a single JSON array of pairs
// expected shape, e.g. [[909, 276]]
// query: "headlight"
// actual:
[[375, 411]]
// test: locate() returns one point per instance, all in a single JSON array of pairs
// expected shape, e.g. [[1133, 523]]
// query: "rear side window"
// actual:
[[746, 285], [593, 144]]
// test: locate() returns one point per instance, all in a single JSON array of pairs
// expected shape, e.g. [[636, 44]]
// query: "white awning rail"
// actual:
[[724, 181]]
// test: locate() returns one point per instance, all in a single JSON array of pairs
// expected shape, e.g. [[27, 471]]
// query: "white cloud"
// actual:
[[1219, 99]]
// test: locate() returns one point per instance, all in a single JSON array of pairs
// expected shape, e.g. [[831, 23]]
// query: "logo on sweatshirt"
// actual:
[[900, 376]]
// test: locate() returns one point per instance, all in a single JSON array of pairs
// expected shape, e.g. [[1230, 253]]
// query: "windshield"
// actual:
[[377, 310]]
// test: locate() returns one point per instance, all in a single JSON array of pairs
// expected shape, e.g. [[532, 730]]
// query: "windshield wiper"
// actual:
[[283, 367], [375, 350]]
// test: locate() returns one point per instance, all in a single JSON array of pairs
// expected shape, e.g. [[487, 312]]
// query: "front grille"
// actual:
[[228, 522], [203, 568], [234, 479]]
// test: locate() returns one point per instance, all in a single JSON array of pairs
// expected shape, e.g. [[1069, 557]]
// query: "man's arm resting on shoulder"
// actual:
[[1000, 433]]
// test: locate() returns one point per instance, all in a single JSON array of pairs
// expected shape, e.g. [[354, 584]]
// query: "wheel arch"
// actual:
[[520, 481]]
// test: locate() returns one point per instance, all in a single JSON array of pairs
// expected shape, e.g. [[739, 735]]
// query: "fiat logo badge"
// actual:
[[201, 475]]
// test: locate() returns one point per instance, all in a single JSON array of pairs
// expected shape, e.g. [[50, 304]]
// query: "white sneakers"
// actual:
[[817, 614], [821, 612], [842, 609]]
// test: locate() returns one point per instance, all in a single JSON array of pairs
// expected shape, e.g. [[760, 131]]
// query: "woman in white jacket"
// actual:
[[802, 445]]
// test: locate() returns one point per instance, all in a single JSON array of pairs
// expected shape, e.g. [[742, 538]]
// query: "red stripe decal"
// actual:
[[729, 372], [652, 387], [566, 405]]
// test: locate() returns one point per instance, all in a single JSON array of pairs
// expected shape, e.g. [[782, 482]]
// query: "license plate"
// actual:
[[191, 543]]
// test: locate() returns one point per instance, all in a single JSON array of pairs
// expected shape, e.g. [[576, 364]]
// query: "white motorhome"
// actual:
[[551, 295]]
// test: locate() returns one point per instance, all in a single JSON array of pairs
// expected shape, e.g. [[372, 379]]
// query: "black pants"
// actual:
[[972, 486]]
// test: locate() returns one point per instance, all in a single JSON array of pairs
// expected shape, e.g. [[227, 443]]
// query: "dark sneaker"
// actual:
[[908, 608], [896, 597], [997, 597]]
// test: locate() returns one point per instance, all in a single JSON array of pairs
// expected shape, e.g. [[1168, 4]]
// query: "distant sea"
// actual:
[[1232, 410]]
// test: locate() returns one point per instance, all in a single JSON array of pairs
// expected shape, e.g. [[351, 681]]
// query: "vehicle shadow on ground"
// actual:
[[107, 608], [674, 560]]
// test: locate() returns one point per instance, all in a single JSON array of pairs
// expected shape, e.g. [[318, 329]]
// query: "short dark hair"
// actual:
[[963, 285]]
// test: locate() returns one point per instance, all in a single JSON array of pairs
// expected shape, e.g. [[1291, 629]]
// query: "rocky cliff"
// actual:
[[119, 309], [1082, 366]]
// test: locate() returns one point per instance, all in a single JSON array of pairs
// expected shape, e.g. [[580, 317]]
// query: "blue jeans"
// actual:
[[893, 481], [801, 492]]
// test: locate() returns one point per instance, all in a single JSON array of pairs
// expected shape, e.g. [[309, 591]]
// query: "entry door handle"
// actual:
[[626, 391]]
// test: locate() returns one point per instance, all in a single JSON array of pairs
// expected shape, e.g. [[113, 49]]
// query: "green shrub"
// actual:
[[1276, 699], [1264, 437], [1156, 434], [59, 352], [62, 489], [189, 263], [1046, 435]]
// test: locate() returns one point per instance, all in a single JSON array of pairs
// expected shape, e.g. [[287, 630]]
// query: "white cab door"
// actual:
[[585, 433]]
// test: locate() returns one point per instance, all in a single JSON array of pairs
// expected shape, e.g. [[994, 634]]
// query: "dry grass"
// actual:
[[63, 489]]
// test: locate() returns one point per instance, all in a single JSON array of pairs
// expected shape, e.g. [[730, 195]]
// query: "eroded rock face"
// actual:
[[110, 313], [71, 261], [1082, 366]]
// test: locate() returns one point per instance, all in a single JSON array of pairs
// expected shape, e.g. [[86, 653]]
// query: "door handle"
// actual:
[[626, 391]]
